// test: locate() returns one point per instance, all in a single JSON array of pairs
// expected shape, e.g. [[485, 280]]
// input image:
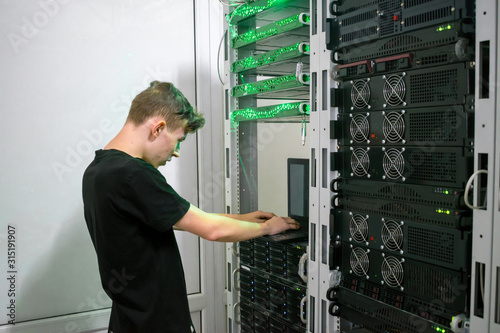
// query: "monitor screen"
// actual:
[[298, 188]]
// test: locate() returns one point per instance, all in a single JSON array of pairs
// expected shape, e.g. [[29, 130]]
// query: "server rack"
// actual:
[[266, 58], [396, 138]]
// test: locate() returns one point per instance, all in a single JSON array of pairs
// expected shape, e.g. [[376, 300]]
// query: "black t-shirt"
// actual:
[[130, 210]]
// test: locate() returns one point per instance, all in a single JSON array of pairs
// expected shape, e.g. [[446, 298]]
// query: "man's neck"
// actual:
[[128, 141]]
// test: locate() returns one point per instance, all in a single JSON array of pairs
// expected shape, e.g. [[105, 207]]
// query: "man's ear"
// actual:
[[157, 127]]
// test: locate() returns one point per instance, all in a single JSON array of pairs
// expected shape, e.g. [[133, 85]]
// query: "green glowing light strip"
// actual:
[[277, 83], [247, 10], [272, 29], [273, 56], [272, 111]]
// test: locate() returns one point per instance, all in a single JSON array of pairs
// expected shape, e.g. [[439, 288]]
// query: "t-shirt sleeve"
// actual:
[[154, 201]]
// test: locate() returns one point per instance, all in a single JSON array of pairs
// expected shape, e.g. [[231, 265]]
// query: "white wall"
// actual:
[[276, 142], [70, 69]]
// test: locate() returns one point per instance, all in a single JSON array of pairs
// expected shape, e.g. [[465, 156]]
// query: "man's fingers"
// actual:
[[266, 215]]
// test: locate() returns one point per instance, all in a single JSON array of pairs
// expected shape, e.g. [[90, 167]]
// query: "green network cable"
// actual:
[[272, 29], [272, 111], [273, 56], [277, 83], [247, 10]]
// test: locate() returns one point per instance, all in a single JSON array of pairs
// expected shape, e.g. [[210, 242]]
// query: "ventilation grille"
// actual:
[[437, 86], [413, 3], [401, 42], [393, 164], [398, 44], [434, 284], [387, 24], [433, 15], [439, 126], [396, 321], [360, 162], [393, 127], [394, 90], [434, 60], [359, 18], [401, 191], [437, 166], [392, 235], [356, 8], [351, 71], [398, 210], [360, 93], [431, 244], [362, 33], [360, 263], [392, 272], [359, 128], [391, 66], [358, 226]]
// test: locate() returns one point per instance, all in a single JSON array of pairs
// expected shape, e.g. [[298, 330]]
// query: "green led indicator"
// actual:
[[307, 48], [446, 192], [264, 86], [270, 30], [256, 7], [267, 112], [444, 27], [267, 58], [307, 18]]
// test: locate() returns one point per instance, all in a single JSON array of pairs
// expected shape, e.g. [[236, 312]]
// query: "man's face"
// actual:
[[171, 142]]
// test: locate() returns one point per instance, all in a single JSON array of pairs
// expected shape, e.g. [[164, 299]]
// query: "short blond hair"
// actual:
[[165, 100]]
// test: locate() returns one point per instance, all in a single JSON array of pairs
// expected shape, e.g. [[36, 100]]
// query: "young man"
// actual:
[[131, 212]]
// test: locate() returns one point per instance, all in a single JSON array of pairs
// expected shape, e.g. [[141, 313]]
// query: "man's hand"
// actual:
[[257, 216], [226, 228], [279, 224]]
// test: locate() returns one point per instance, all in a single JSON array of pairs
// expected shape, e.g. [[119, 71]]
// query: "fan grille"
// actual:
[[360, 263], [392, 235], [360, 94], [393, 163], [360, 162], [393, 127], [359, 128], [392, 271], [394, 90], [358, 227]]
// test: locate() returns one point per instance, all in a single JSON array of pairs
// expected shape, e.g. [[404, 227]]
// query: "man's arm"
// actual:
[[215, 227], [257, 216]]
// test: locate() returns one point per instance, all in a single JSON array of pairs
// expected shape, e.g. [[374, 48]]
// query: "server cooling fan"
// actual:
[[360, 93], [393, 163], [360, 162], [392, 272], [394, 90], [358, 226], [393, 127], [360, 262], [359, 128], [392, 235]]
